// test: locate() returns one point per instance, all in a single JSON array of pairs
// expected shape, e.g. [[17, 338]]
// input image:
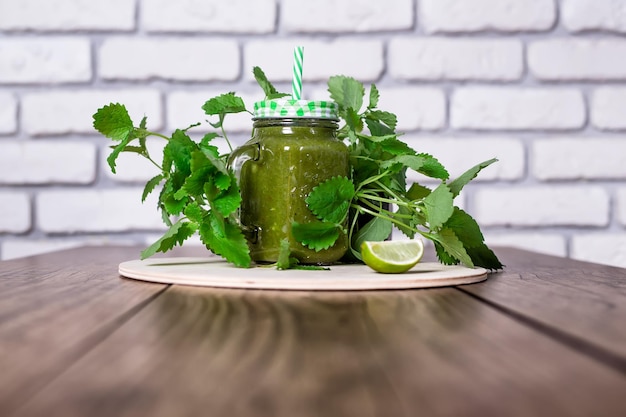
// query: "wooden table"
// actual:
[[545, 337]]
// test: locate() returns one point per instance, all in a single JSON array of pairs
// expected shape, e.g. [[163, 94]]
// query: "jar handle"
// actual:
[[241, 155]]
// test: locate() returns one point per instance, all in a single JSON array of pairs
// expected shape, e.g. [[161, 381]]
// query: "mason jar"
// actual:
[[293, 149]]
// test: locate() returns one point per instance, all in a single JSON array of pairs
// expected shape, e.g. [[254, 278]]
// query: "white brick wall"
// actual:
[[538, 84], [481, 15], [15, 212], [346, 16], [621, 205], [417, 108], [71, 211], [455, 59], [167, 58], [184, 108], [543, 206], [67, 15], [233, 16], [581, 15], [44, 60], [600, 248], [323, 59], [462, 153], [516, 108], [575, 158], [8, 113], [574, 59], [57, 112], [46, 162], [607, 104], [548, 243]]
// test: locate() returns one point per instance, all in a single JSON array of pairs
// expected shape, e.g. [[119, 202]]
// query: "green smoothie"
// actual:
[[288, 157]]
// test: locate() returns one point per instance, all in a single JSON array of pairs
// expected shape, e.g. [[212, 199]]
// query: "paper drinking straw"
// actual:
[[296, 84]]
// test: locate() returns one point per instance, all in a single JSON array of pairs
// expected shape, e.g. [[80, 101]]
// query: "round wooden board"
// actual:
[[213, 272]]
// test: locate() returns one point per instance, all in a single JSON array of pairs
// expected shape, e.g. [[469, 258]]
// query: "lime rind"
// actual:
[[392, 257]]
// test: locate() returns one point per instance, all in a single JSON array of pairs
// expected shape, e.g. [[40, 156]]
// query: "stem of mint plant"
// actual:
[[363, 209], [225, 136]]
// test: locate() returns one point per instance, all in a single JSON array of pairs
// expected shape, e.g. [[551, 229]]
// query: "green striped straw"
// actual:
[[296, 84]]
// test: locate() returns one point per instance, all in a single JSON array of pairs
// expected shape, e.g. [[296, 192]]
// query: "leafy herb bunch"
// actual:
[[378, 191], [198, 192]]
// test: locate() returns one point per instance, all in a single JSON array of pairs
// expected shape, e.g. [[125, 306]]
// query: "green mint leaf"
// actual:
[[176, 235], [130, 148], [465, 228], [331, 199], [377, 128], [406, 225], [432, 167], [284, 260], [174, 204], [443, 256], [166, 164], [374, 96], [270, 91], [207, 138], [227, 201], [113, 121], [353, 92], [181, 194], [389, 119], [179, 149], [413, 162], [223, 181], [484, 257], [468, 232], [164, 214], [112, 158], [375, 230], [150, 186], [223, 104], [457, 185], [168, 201], [438, 206], [353, 121], [397, 182], [452, 246], [226, 240], [352, 133], [143, 122], [212, 154], [377, 138], [201, 173], [417, 192], [195, 213], [316, 235], [335, 88], [396, 147], [346, 92]]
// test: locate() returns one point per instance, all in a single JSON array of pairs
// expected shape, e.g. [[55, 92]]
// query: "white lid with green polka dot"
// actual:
[[281, 108]]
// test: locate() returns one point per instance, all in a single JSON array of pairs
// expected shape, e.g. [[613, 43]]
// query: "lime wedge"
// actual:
[[392, 257]]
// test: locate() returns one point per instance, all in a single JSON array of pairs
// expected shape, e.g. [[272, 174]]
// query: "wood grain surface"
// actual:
[[81, 341], [54, 308], [582, 302]]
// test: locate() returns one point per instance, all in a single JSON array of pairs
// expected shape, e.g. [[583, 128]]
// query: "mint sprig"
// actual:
[[381, 197], [198, 193]]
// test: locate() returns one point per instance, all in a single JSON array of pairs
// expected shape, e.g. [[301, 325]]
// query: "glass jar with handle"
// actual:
[[293, 149]]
